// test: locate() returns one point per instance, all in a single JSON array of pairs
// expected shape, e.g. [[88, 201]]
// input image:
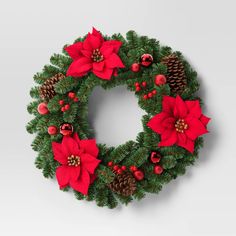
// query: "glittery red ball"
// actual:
[[119, 171], [137, 89], [133, 168], [155, 157], [160, 80], [144, 83], [110, 163], [150, 95], [43, 109], [52, 130], [146, 60], [139, 175], [71, 95], [123, 167], [158, 170], [145, 96], [66, 129], [135, 67], [115, 167]]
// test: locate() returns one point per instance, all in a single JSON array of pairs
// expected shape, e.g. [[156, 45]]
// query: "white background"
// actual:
[[203, 202]]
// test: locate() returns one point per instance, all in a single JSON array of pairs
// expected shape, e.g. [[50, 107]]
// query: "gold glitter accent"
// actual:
[[73, 160], [181, 126], [97, 55]]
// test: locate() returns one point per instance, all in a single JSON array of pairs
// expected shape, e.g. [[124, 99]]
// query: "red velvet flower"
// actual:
[[78, 159], [180, 122], [96, 55]]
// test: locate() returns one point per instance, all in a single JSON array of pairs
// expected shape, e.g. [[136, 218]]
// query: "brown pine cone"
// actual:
[[124, 184], [175, 73], [47, 91]]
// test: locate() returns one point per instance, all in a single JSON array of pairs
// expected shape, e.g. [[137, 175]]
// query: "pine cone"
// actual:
[[175, 73], [47, 91], [124, 184]]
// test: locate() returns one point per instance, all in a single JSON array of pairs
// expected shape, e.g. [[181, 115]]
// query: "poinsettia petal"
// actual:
[[82, 184], [63, 176], [115, 44], [89, 146], [92, 178], [74, 172], [97, 34], [114, 61], [69, 146], [168, 123], [204, 119], [195, 128], [105, 74], [98, 66], [76, 138], [181, 137], [95, 41], [86, 53], [89, 162], [194, 108], [168, 104], [74, 50], [79, 67], [58, 153], [169, 141], [106, 50], [166, 134], [188, 144], [86, 43], [155, 123], [180, 109]]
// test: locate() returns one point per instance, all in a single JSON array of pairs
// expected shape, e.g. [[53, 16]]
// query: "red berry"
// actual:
[[110, 163], [150, 95], [63, 109], [115, 167], [67, 107], [136, 84], [160, 80], [145, 96], [139, 175], [76, 100], [135, 67], [71, 95], [144, 83], [154, 92], [137, 89], [43, 109], [155, 157], [119, 171], [158, 170], [52, 130], [133, 168], [61, 102], [123, 167]]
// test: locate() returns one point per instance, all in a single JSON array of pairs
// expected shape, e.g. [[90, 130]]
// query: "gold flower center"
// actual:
[[97, 55], [181, 125], [73, 160]]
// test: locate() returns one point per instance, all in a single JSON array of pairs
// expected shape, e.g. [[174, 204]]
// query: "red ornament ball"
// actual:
[[115, 167], [155, 157], [110, 163], [119, 171], [154, 92], [71, 95], [137, 89], [146, 60], [66, 129], [144, 83], [158, 170], [145, 96], [139, 175], [52, 130], [150, 95], [61, 102], [133, 168], [123, 167], [160, 80], [75, 99], [135, 67], [67, 107], [43, 108]]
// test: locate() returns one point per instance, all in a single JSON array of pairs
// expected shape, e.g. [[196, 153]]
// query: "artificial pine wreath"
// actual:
[[165, 86]]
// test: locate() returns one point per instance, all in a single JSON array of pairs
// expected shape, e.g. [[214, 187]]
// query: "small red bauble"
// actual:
[[145, 96], [71, 95], [160, 80], [43, 109], [137, 89], [144, 83], [154, 92], [66, 129], [61, 102], [119, 171], [150, 95], [137, 84], [146, 60], [63, 109], [158, 170], [123, 167], [115, 167], [139, 175], [133, 168], [135, 67], [76, 100], [155, 157], [52, 130], [67, 107], [110, 163]]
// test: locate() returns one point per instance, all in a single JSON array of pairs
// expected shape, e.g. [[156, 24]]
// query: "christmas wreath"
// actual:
[[165, 86]]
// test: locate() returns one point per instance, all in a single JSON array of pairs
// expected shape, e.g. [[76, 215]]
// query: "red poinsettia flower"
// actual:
[[96, 55], [78, 159], [180, 122]]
